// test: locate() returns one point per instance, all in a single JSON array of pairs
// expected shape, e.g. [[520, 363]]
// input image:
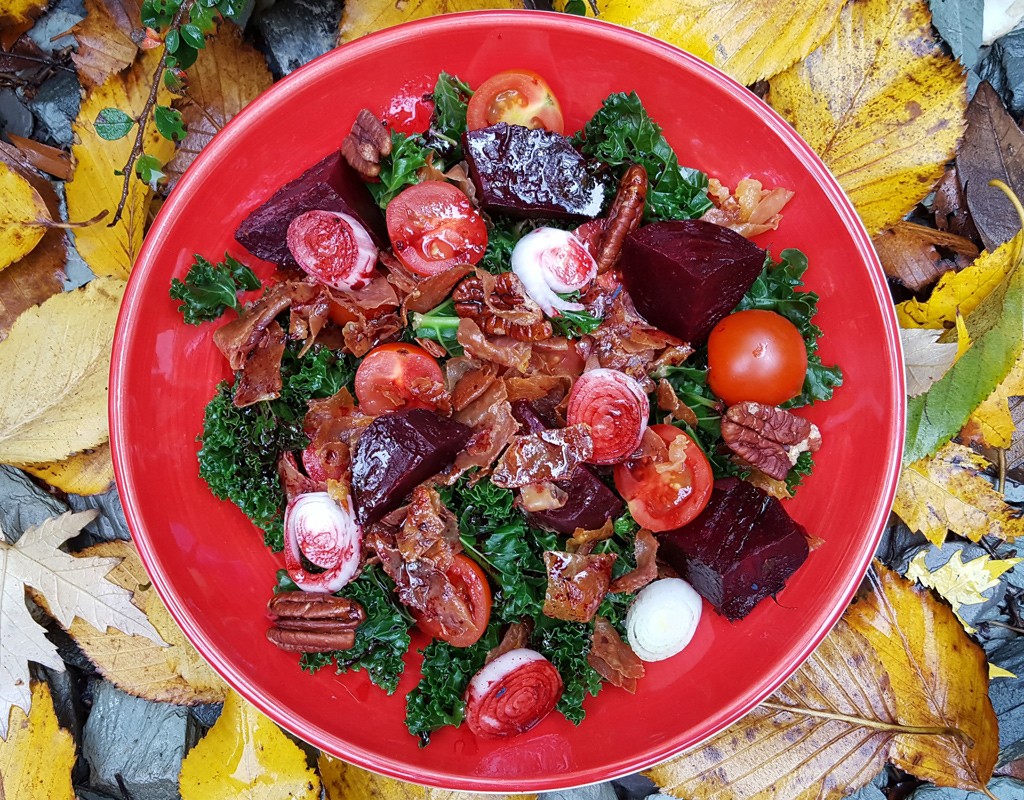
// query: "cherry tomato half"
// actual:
[[756, 355], [469, 581], [433, 227], [666, 496], [518, 97], [384, 379]]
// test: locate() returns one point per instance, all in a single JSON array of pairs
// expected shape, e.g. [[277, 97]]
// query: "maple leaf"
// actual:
[[959, 583], [70, 587]]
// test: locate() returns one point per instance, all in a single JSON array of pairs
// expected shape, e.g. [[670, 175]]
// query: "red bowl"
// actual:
[[208, 562]]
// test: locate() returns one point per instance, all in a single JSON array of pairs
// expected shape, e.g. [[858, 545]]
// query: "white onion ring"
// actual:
[[343, 259], [662, 619]]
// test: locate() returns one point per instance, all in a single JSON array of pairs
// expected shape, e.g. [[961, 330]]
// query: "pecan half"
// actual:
[[366, 144], [768, 437], [503, 309], [624, 216], [313, 622]]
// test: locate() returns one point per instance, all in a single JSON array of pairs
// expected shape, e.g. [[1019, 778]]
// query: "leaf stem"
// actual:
[[873, 723], [141, 120]]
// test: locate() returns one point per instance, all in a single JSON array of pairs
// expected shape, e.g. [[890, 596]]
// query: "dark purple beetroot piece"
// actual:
[[524, 172], [590, 504], [397, 452], [686, 275], [331, 185], [741, 548]]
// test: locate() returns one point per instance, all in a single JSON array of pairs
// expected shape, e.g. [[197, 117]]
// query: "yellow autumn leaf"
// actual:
[[20, 13], [961, 291], [361, 17], [55, 363], [135, 664], [343, 782], [746, 39], [246, 755], [991, 422], [959, 583], [86, 473], [947, 492], [880, 103], [38, 754], [111, 251], [21, 211], [999, 672]]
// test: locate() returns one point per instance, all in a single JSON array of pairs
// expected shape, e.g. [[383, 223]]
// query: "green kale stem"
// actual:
[[442, 325]]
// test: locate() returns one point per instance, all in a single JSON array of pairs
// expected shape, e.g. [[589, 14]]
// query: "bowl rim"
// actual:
[[207, 162]]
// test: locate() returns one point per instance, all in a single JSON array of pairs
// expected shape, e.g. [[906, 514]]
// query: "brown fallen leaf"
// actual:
[[55, 363], [86, 473], [361, 17], [43, 157], [135, 664], [947, 493], [881, 103], [917, 255], [950, 206], [938, 676], [747, 40], [343, 781], [993, 147], [105, 46], [850, 707], [220, 84], [37, 757]]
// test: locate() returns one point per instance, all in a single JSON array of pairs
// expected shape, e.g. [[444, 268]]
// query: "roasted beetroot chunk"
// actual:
[[397, 452], [590, 503], [525, 172], [742, 548], [684, 276], [331, 185]]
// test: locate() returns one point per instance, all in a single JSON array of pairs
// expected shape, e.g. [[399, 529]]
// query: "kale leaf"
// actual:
[[502, 235], [211, 289], [574, 324], [398, 170], [621, 133], [437, 699], [240, 446], [448, 122], [381, 641], [777, 289], [566, 645]]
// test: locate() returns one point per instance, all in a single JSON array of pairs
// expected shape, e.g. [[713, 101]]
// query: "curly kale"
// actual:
[[211, 289]]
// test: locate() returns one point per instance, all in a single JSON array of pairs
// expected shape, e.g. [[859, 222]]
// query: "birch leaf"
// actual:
[[21, 211], [37, 758], [87, 473], [746, 40], [343, 781], [881, 103], [246, 755], [992, 424], [135, 664], [20, 13], [958, 583], [55, 363], [70, 586], [850, 707], [361, 17], [104, 44], [220, 84], [925, 359], [946, 492], [111, 251]]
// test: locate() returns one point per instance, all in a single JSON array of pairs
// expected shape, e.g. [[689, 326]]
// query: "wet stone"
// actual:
[[207, 714], [111, 523], [603, 791], [60, 18], [143, 742], [23, 504], [294, 32], [1007, 694], [55, 106], [635, 787], [14, 115], [76, 271]]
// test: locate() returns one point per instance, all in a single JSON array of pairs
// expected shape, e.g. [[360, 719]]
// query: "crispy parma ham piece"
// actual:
[[612, 658], [237, 339], [750, 210], [576, 584], [645, 547], [550, 455], [260, 376]]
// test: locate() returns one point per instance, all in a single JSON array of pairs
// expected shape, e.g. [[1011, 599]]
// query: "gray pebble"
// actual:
[[56, 105], [111, 523], [297, 31], [23, 504], [599, 791]]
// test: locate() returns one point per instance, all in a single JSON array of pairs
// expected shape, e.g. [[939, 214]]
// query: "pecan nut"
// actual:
[[366, 144], [313, 622], [624, 216], [767, 437], [504, 309]]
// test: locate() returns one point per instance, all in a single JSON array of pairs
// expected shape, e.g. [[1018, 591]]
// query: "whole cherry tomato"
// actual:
[[756, 355]]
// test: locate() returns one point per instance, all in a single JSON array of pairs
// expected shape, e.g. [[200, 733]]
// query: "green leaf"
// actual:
[[169, 123], [192, 35], [996, 327], [147, 167], [620, 134], [158, 14], [448, 122], [174, 79], [574, 324], [172, 41], [577, 7], [232, 9], [566, 645], [204, 17], [211, 289], [440, 324], [113, 124], [398, 170], [185, 56]]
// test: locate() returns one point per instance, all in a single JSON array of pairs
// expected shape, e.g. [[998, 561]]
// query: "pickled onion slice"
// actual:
[[615, 407], [333, 248], [512, 693], [550, 261], [316, 527]]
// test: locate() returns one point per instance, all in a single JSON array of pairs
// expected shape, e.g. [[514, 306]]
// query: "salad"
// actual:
[[527, 392]]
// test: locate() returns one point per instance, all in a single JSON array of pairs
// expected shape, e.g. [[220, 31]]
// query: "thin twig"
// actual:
[[49, 62], [1001, 459], [999, 624], [140, 135]]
